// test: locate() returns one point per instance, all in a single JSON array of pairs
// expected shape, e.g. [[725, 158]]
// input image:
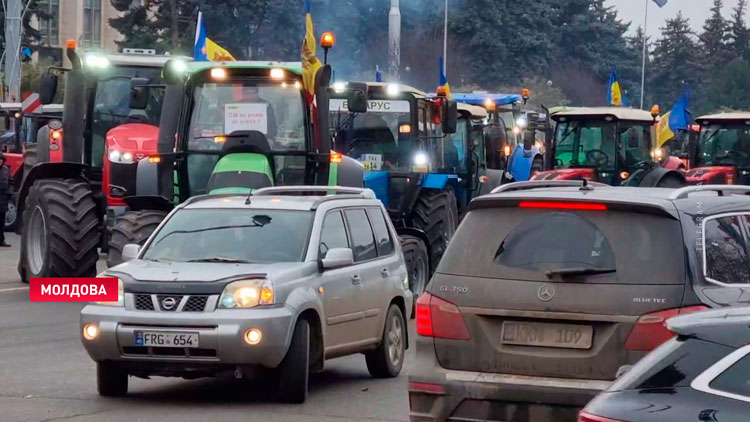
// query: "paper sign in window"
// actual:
[[253, 116]]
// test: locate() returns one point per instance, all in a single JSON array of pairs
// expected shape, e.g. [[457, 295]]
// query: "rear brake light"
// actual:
[[587, 417], [563, 205], [440, 319], [650, 330], [423, 387]]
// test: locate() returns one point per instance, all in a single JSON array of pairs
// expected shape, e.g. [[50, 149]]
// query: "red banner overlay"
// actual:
[[74, 289]]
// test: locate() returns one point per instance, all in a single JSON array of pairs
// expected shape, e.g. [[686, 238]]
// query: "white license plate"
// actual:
[[539, 334], [165, 339]]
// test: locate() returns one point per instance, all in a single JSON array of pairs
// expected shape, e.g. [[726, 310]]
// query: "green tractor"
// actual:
[[232, 128]]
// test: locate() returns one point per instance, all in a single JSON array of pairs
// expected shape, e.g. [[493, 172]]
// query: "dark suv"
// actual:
[[548, 289]]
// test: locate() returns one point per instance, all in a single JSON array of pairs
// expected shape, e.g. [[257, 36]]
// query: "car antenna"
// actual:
[[585, 186], [247, 200]]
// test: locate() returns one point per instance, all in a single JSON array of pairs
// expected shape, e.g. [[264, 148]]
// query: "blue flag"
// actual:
[[200, 52], [661, 3], [679, 119], [378, 74]]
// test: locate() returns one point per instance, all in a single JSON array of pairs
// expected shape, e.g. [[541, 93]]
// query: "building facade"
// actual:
[[86, 21]]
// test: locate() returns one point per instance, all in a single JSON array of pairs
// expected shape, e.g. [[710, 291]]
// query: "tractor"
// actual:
[[722, 153], [424, 157], [232, 127], [71, 180], [611, 145]]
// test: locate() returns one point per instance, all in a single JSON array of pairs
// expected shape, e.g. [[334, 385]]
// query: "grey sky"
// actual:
[[696, 10]]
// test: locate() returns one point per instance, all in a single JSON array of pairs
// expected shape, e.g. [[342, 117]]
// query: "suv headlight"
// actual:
[[120, 294], [246, 294]]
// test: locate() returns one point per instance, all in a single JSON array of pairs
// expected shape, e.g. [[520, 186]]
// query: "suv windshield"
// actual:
[[276, 110], [232, 235], [112, 104], [725, 144], [373, 137]]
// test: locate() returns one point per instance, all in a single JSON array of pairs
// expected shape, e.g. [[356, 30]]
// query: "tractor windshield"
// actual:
[[380, 139], [112, 104], [602, 145], [276, 110], [724, 144]]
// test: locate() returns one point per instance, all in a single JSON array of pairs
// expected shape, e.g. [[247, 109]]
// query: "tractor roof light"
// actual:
[[327, 40], [277, 73], [96, 61], [218, 73], [392, 90], [71, 44], [655, 111], [441, 91], [336, 157], [490, 105], [178, 66], [339, 87], [521, 122]]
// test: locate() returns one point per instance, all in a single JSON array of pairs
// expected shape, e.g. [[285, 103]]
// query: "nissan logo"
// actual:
[[169, 302], [545, 293]]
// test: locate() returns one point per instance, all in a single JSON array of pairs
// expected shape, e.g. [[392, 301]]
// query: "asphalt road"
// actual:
[[45, 375]]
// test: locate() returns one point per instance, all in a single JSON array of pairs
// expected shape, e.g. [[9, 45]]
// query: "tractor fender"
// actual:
[[148, 202], [63, 170], [440, 181], [415, 232], [657, 174]]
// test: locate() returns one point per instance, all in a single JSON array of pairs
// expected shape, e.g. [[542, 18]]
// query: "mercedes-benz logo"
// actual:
[[545, 293], [168, 303]]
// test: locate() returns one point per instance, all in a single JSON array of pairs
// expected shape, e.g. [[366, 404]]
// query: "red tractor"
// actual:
[[109, 121], [721, 154]]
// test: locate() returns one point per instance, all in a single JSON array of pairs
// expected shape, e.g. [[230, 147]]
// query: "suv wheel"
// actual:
[[294, 370], [111, 380], [387, 360]]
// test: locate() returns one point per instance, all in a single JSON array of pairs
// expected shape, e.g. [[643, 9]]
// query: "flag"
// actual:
[[661, 3], [614, 95], [378, 74], [310, 63], [677, 119], [443, 80], [204, 49]]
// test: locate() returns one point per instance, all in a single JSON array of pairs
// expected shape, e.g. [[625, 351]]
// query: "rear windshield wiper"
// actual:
[[221, 259], [578, 271]]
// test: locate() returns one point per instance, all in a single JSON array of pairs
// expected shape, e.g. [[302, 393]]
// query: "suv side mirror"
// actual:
[[130, 251], [139, 93], [357, 97], [48, 88], [623, 370], [338, 258], [450, 116]]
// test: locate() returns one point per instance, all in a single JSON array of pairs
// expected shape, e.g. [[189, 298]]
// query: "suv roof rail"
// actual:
[[540, 184], [722, 190], [324, 190]]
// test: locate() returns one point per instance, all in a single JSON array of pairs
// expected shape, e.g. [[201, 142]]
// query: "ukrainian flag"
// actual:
[[677, 119], [310, 63], [614, 95], [206, 50], [444, 80]]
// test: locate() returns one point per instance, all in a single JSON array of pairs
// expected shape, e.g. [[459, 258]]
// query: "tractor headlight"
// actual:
[[116, 156], [120, 294], [420, 159], [246, 294]]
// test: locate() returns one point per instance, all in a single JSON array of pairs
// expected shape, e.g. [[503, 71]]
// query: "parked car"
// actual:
[[702, 375], [548, 289], [282, 279]]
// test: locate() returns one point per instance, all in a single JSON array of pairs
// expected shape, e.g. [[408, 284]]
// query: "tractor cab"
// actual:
[[10, 126], [722, 153], [611, 145]]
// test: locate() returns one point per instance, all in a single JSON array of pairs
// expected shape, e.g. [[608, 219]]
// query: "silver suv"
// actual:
[[232, 285]]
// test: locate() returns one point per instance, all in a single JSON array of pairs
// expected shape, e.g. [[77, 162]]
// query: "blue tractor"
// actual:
[[422, 156], [508, 126]]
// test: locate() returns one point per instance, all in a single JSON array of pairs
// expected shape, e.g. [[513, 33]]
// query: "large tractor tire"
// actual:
[[417, 264], [436, 214], [61, 230], [133, 227]]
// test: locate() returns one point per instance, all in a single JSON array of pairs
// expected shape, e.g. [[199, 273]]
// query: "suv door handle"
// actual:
[[385, 273], [356, 279]]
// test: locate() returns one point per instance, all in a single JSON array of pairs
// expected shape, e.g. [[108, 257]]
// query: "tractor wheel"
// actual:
[[417, 264], [537, 166], [434, 214], [61, 230], [133, 227], [671, 181]]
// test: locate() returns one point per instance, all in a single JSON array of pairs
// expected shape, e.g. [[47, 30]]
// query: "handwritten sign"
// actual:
[[253, 116]]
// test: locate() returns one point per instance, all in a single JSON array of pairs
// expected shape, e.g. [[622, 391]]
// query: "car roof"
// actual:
[[620, 113], [715, 199], [293, 198], [730, 326], [735, 115]]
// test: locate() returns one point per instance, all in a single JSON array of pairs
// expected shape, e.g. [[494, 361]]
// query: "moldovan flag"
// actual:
[[310, 63], [206, 50]]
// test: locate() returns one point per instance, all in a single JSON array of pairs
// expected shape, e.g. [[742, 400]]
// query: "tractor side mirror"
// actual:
[[139, 93], [357, 97], [48, 88], [450, 116]]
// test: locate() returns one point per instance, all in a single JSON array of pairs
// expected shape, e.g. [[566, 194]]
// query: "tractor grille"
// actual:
[[171, 303]]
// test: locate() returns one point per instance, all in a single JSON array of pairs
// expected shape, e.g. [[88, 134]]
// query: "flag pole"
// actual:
[[445, 41], [643, 65]]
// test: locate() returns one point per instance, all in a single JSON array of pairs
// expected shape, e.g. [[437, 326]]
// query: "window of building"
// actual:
[[92, 23], [49, 24]]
